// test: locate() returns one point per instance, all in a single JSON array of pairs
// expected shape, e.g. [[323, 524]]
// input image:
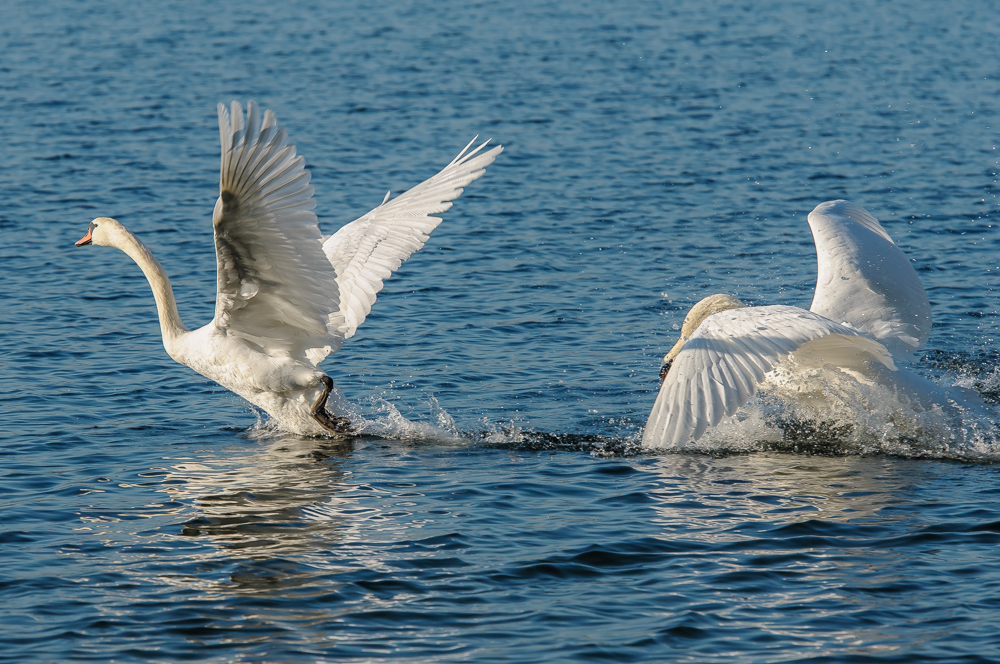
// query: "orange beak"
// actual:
[[86, 239]]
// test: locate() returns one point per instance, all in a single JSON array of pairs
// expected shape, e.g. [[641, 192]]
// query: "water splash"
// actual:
[[377, 416], [388, 422], [844, 416]]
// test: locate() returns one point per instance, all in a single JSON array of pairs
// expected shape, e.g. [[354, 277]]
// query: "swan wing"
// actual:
[[864, 280], [276, 287], [723, 362], [367, 251]]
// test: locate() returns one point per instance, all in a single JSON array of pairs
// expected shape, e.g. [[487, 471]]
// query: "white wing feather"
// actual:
[[367, 251], [276, 289], [865, 280], [721, 365]]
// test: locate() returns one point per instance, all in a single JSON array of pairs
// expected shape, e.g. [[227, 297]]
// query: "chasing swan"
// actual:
[[287, 296], [869, 305]]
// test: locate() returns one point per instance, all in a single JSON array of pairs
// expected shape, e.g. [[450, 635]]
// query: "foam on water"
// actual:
[[377, 416], [823, 410]]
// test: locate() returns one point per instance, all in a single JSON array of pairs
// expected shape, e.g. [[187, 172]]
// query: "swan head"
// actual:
[[101, 232], [710, 305]]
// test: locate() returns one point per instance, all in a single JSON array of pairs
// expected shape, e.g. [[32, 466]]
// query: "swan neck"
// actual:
[[166, 306]]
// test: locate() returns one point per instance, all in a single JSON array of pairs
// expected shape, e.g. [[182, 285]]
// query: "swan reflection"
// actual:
[[269, 518], [718, 496]]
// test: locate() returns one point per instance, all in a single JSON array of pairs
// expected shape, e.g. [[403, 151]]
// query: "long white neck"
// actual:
[[166, 306]]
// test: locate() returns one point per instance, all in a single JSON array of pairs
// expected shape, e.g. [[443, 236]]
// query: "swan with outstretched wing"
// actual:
[[869, 311], [287, 296]]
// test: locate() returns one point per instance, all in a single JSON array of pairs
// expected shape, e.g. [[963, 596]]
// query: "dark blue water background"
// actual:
[[656, 152]]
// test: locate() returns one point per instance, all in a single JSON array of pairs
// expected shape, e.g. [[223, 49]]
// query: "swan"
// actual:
[[287, 295], [868, 312]]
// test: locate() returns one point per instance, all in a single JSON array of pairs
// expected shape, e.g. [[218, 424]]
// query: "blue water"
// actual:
[[499, 509]]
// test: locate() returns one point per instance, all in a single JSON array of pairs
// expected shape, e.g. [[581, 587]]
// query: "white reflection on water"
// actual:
[[266, 520], [711, 498], [793, 542]]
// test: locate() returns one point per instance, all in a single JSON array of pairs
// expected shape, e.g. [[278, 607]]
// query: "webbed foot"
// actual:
[[340, 426]]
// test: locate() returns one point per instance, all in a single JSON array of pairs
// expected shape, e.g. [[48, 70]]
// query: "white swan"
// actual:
[[287, 296], [869, 305]]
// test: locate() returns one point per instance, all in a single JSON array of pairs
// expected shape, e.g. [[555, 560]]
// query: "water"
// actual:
[[499, 509]]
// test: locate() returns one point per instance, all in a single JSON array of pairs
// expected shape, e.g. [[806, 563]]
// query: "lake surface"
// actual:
[[498, 508]]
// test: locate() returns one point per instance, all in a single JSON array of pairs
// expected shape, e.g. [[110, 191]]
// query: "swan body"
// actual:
[[869, 312], [287, 296]]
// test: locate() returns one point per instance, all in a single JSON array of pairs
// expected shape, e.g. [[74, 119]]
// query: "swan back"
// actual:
[[864, 280]]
